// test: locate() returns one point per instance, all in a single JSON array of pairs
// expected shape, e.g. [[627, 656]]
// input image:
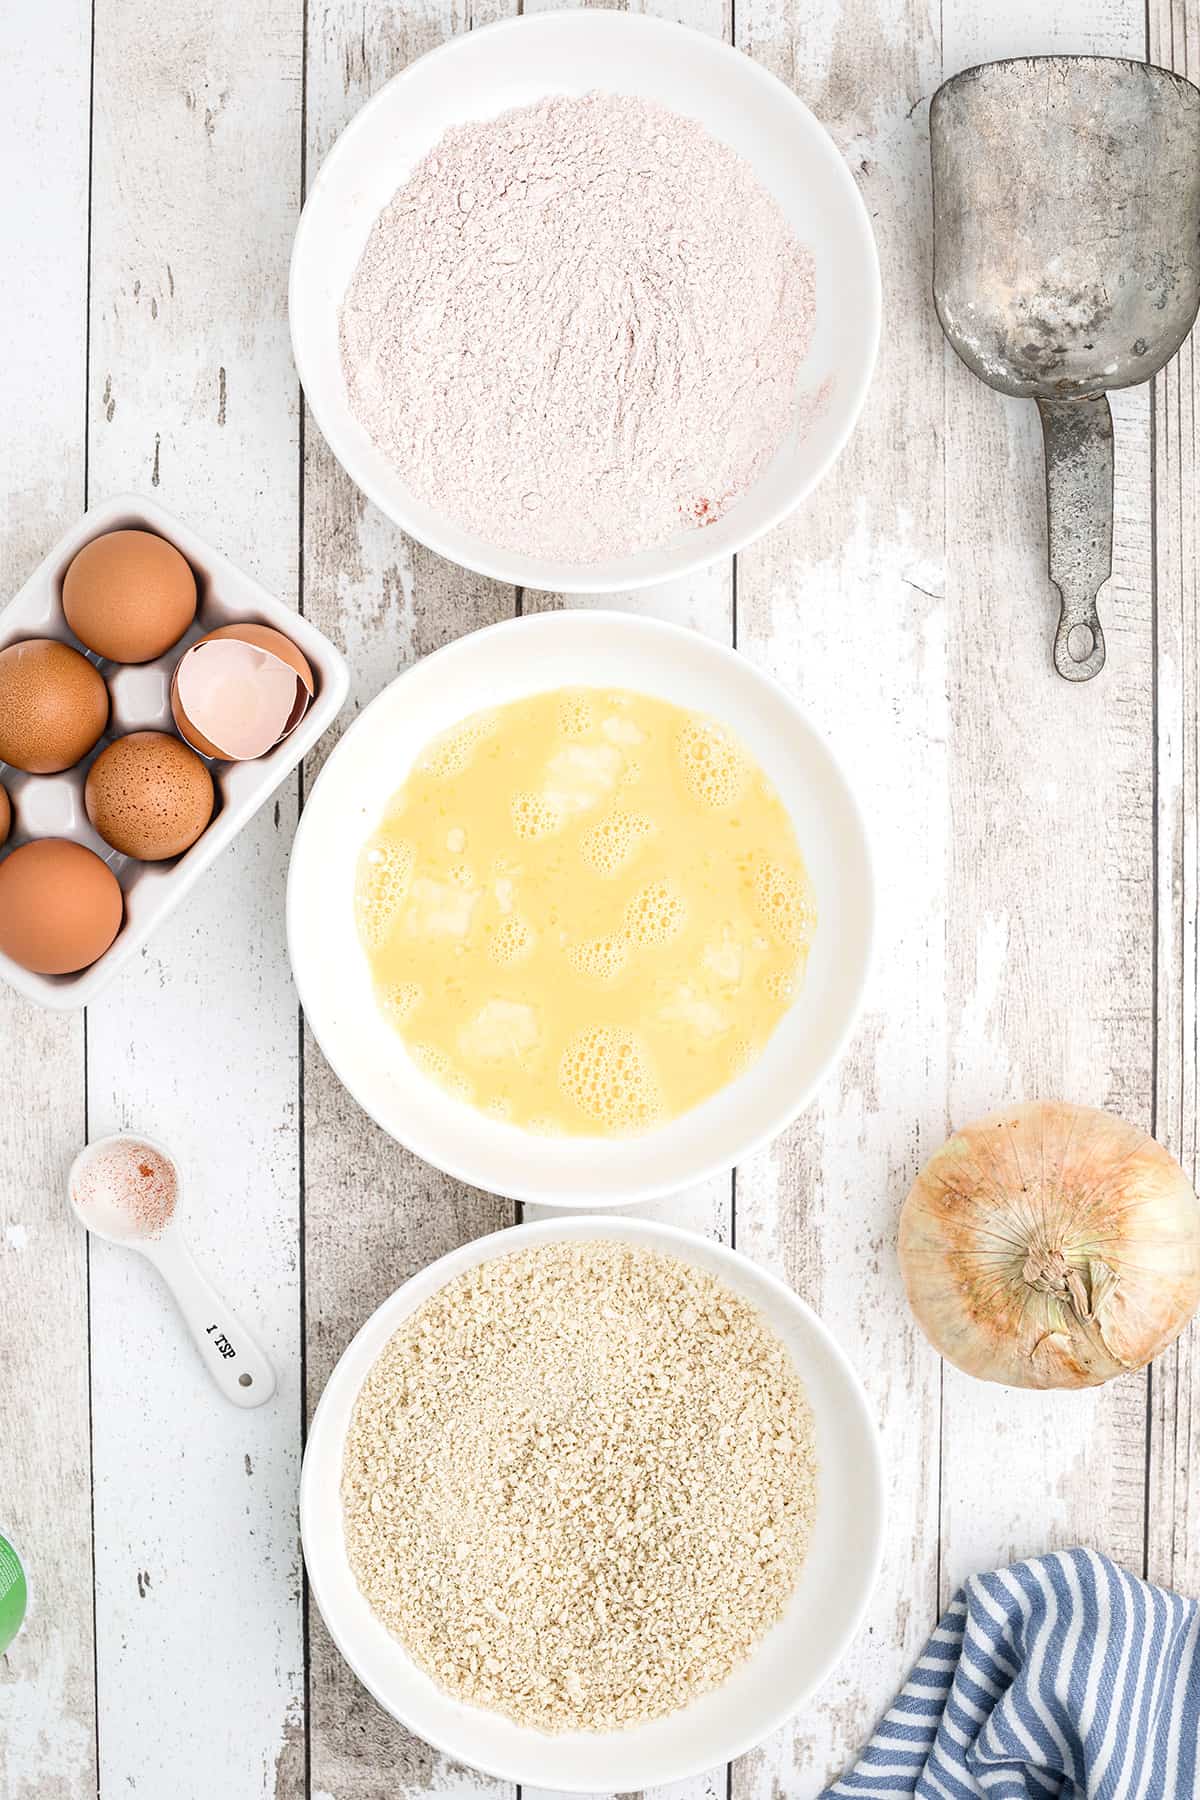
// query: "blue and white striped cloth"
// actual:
[[1061, 1676]]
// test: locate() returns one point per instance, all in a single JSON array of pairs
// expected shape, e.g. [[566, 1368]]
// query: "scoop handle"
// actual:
[[229, 1353], [1078, 439]]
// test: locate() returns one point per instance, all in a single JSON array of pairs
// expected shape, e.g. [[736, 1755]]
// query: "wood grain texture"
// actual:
[[47, 1703], [1037, 846], [844, 604], [195, 187], [1049, 879], [1173, 1538], [374, 1215], [703, 602]]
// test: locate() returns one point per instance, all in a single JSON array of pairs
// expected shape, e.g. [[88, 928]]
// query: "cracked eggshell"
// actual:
[[240, 690]]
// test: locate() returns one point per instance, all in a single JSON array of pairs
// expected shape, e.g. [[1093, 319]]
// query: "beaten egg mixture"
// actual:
[[585, 911]]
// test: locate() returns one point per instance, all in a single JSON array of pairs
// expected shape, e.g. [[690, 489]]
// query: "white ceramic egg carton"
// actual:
[[52, 805]]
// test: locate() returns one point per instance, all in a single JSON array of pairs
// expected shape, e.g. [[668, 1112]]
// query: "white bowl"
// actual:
[[515, 63], [52, 805], [790, 1663], [488, 668]]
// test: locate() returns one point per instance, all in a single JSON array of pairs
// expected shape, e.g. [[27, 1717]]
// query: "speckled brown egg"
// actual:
[[60, 906], [5, 815], [53, 705], [129, 595], [149, 796]]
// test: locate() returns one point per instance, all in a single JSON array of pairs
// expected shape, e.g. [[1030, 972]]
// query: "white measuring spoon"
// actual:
[[229, 1353]]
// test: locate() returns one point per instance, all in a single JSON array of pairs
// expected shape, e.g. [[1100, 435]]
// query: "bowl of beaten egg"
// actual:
[[580, 909]]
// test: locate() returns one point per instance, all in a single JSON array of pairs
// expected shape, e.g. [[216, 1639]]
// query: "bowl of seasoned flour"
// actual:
[[592, 1502], [585, 300]]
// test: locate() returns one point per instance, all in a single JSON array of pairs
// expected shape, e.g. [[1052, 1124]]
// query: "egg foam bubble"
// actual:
[[584, 912]]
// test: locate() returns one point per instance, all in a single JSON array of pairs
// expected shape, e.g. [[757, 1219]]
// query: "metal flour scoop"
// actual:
[[1066, 209]]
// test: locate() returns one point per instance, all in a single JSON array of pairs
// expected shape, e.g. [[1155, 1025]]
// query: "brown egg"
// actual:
[[239, 707], [53, 705], [129, 595], [148, 795], [5, 816], [60, 906]]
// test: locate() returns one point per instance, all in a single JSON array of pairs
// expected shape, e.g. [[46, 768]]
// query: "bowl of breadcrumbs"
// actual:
[[594, 1502]]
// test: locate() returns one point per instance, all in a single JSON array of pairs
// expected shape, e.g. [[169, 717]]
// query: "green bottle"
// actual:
[[13, 1594]]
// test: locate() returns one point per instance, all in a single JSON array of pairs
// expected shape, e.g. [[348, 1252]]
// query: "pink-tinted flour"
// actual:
[[578, 327], [128, 1189]]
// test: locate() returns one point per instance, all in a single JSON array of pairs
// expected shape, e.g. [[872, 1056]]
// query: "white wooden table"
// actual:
[[1037, 844]]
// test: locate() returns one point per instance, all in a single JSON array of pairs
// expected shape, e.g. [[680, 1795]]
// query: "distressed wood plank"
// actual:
[[843, 603], [374, 1215], [1049, 878], [1173, 1538], [196, 176], [47, 1688], [703, 602], [395, 602]]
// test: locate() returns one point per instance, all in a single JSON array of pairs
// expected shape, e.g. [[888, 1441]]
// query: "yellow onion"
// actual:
[[1051, 1246]]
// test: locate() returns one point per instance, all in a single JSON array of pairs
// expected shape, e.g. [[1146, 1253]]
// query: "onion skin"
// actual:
[[1051, 1246]]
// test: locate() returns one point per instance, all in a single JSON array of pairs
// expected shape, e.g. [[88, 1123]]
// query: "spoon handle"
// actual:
[[1078, 439], [227, 1350]]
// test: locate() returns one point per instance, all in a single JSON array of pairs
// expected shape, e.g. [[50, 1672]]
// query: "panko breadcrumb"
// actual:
[[579, 1484]]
